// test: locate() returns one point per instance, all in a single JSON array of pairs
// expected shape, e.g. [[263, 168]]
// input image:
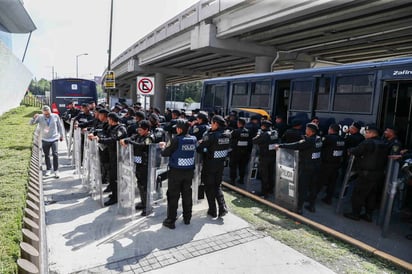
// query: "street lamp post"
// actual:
[[77, 63]]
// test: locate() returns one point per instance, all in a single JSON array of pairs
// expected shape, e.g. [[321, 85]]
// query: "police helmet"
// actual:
[[144, 124], [183, 124], [113, 116]]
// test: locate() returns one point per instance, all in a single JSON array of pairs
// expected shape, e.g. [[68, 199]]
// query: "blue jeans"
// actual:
[[46, 149]]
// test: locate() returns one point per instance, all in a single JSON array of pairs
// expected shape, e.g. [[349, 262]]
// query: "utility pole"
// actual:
[[109, 51]]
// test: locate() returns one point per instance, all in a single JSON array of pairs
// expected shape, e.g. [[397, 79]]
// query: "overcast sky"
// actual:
[[66, 28]]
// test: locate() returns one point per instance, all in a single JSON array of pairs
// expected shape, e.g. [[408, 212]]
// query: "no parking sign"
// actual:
[[145, 85]]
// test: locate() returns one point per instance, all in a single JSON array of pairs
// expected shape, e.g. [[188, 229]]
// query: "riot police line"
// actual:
[[89, 171], [286, 186]]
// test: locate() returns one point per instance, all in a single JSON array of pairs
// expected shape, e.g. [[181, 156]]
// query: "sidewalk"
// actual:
[[82, 237]]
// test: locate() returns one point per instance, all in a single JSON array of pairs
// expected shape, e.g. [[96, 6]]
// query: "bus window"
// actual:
[[260, 94], [209, 96], [301, 95], [240, 95], [214, 98], [353, 93], [322, 94]]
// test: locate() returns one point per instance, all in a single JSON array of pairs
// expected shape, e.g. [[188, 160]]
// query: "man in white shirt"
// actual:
[[51, 132]]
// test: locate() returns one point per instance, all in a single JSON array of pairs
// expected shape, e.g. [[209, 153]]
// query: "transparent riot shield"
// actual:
[[85, 175], [95, 172], [253, 165], [347, 179], [196, 178], [77, 145], [391, 186], [125, 180], [69, 141], [157, 175], [287, 168]]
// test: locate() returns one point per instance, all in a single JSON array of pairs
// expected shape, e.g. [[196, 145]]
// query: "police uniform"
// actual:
[[181, 153], [102, 131], [333, 149], [309, 163], [372, 154], [199, 130], [141, 160], [214, 147], [241, 144], [266, 141], [115, 133]]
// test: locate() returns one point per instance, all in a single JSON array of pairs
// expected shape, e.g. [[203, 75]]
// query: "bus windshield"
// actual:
[[64, 91]]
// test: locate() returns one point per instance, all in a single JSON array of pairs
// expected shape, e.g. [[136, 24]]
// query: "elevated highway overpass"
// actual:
[[228, 37]]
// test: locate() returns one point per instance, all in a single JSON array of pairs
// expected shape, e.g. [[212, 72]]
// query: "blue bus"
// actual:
[[374, 92], [67, 90]]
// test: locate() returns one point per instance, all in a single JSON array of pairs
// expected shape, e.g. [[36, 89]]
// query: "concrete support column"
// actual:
[[159, 99], [133, 91], [263, 64]]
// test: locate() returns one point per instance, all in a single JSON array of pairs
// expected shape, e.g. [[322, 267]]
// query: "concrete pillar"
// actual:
[[159, 99], [263, 64], [133, 91]]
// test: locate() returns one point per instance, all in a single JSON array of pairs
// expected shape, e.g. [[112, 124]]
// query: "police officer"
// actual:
[[158, 132], [200, 125], [333, 149], [353, 137], [181, 153], [254, 125], [199, 128], [70, 113], [266, 141], [391, 138], [309, 161], [141, 143], [102, 130], [241, 144], [214, 147], [116, 132], [294, 133], [372, 154], [132, 130]]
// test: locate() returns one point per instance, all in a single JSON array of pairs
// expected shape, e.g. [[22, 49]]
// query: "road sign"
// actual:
[[110, 80], [145, 85]]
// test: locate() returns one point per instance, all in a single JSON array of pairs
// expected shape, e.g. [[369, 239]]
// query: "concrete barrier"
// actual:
[[33, 248]]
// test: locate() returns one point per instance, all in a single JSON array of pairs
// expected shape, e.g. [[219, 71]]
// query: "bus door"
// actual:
[[282, 91], [397, 109]]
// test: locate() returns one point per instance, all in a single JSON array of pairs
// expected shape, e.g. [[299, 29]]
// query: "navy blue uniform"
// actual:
[[333, 149], [115, 133], [267, 158], [309, 163], [214, 148], [371, 155], [181, 153], [241, 144]]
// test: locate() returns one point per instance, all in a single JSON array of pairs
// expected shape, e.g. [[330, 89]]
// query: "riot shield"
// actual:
[[95, 172], [196, 178], [391, 186], [157, 175], [125, 180], [253, 166], [77, 144], [85, 175], [69, 141], [347, 179], [287, 170]]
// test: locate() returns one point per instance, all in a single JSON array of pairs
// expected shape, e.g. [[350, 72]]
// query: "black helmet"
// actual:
[[183, 124]]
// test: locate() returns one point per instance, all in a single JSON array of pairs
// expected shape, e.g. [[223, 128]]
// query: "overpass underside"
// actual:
[[221, 38]]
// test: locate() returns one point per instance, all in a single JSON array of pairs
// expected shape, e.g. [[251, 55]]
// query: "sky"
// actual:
[[67, 28]]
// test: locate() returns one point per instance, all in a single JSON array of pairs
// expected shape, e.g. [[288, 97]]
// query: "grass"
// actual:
[[334, 254], [15, 151]]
